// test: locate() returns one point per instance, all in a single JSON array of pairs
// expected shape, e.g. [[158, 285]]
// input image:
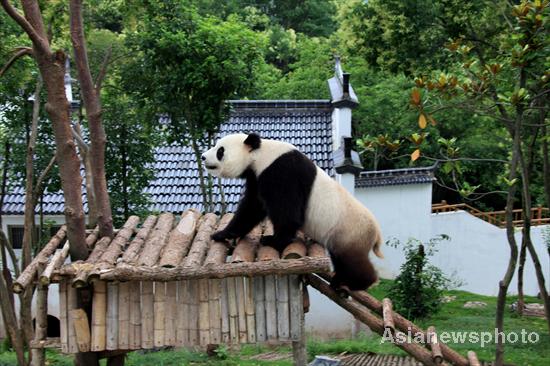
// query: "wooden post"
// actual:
[[283, 317], [224, 307], [41, 324], [270, 307], [134, 335], [204, 313], [214, 295], [112, 316], [233, 310], [296, 302], [147, 319], [71, 305], [437, 356], [63, 321], [159, 313], [259, 304], [193, 316], [99, 313], [241, 309], [82, 329], [387, 314], [124, 315], [249, 309], [171, 313], [182, 329]]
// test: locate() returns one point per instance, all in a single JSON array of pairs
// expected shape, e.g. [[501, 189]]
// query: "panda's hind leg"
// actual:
[[353, 269]]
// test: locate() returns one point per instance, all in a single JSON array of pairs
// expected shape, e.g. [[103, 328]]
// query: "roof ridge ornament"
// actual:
[[342, 94]]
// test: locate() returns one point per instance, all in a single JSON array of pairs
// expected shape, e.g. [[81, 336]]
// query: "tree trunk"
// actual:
[[6, 273], [545, 163], [92, 104], [204, 190], [521, 266], [124, 158], [84, 154]]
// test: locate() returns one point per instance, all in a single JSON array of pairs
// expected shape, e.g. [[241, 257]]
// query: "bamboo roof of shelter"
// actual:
[[167, 248]]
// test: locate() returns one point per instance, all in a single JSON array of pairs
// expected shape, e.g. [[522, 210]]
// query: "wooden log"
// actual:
[[147, 317], [373, 322], [283, 314], [159, 313], [232, 311], [437, 356], [295, 294], [214, 310], [472, 359], [92, 237], [316, 250], [117, 245], [250, 310], [83, 269], [266, 253], [193, 294], [71, 305], [270, 288], [41, 324], [54, 342], [245, 251], [180, 239], [303, 265], [124, 311], [134, 335], [305, 296], [156, 241], [134, 248], [296, 249], [171, 313], [38, 263], [259, 308], [201, 243], [216, 255], [204, 313], [63, 320], [387, 315], [224, 307], [99, 314], [82, 330], [182, 329], [57, 260], [112, 316], [241, 310]]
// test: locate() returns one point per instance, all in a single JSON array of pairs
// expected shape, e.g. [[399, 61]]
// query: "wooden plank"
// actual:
[[82, 330], [204, 313], [112, 316], [147, 317], [259, 304], [233, 312], [99, 316], [135, 315], [124, 315], [296, 307], [171, 313], [72, 304], [193, 293], [270, 288], [214, 295], [63, 321], [283, 315], [250, 309], [159, 313], [224, 306]]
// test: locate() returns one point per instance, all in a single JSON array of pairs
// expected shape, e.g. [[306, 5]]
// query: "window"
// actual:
[[15, 235]]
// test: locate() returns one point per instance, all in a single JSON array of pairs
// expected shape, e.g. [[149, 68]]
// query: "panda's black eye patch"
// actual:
[[219, 153]]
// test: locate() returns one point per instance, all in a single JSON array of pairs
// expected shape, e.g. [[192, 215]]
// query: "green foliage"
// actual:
[[419, 287]]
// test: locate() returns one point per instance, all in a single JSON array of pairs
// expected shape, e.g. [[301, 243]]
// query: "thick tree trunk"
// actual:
[[90, 96]]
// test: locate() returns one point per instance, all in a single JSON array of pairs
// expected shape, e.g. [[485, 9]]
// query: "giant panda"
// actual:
[[284, 185]]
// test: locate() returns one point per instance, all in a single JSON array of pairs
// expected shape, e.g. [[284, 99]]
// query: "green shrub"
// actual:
[[418, 289]]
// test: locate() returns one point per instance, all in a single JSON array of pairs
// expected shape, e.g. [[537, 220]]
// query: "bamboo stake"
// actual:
[[63, 309], [214, 294], [193, 293], [180, 239], [57, 260], [130, 255], [270, 307], [159, 313], [282, 308], [296, 307], [82, 330], [72, 304], [259, 304], [112, 316], [250, 310], [224, 306], [99, 312], [26, 277], [241, 311], [232, 310], [182, 331], [124, 315], [204, 311], [387, 315], [134, 335], [156, 241], [147, 320], [171, 313], [437, 356]]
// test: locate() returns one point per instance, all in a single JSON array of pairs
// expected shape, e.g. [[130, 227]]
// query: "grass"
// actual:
[[452, 317]]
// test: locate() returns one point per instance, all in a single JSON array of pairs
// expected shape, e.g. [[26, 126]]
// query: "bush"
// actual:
[[418, 289]]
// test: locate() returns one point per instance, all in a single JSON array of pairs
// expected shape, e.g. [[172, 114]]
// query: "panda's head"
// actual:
[[231, 156]]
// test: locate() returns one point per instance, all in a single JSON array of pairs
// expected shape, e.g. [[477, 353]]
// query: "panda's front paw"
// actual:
[[222, 236], [268, 240]]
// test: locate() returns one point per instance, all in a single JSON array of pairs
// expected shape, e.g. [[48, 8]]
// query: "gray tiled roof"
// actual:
[[395, 177], [306, 124]]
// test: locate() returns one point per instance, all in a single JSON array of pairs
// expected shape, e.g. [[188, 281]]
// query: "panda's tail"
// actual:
[[376, 248]]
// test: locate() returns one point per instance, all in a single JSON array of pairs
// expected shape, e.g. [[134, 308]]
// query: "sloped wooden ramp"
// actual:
[[380, 318]]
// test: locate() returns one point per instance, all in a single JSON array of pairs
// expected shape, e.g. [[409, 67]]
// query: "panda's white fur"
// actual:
[[332, 216]]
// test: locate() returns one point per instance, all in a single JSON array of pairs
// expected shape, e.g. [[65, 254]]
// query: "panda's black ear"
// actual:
[[253, 140]]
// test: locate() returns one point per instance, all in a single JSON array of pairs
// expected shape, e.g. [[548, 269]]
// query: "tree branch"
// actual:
[[20, 52], [33, 34], [103, 70], [42, 177]]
